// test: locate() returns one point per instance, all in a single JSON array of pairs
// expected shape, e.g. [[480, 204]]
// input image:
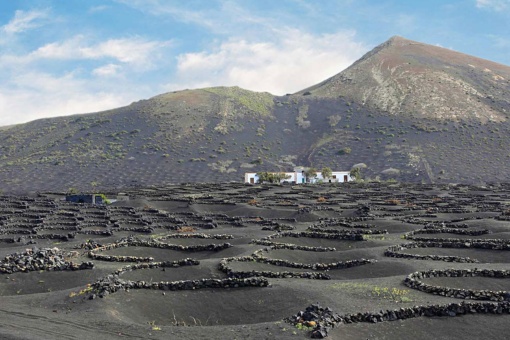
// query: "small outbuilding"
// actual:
[[86, 198]]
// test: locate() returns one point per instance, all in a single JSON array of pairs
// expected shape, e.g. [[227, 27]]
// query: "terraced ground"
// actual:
[[201, 261]]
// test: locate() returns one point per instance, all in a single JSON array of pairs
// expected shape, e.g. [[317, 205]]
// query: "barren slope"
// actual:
[[407, 77]]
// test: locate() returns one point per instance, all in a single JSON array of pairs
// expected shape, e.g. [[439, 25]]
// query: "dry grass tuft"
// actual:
[[393, 201], [186, 229]]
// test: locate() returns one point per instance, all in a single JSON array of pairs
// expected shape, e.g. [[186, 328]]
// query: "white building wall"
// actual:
[[251, 177], [298, 177]]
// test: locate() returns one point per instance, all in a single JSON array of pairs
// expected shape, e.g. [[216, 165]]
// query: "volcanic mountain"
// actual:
[[405, 77], [406, 111]]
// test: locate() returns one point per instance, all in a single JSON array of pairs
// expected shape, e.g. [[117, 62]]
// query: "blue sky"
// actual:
[[66, 57]]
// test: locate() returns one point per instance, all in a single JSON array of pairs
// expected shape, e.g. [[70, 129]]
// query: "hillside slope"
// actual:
[[408, 111], [405, 77]]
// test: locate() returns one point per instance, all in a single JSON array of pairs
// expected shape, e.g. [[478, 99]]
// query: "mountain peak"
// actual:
[[402, 76], [397, 39]]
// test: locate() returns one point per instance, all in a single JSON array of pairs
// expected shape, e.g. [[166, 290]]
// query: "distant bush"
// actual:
[[344, 151], [302, 115], [391, 172], [334, 120], [272, 177]]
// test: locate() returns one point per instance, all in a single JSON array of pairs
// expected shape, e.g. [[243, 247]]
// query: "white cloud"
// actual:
[[35, 95], [294, 61], [32, 88], [24, 21], [497, 5], [109, 70], [136, 51], [222, 17], [204, 17]]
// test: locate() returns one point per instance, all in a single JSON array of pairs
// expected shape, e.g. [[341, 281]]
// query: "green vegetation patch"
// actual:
[[374, 291], [258, 102]]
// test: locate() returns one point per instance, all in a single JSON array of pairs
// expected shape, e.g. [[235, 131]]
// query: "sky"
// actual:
[[75, 56]]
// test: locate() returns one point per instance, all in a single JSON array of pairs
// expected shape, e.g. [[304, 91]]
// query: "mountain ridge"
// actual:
[[402, 112]]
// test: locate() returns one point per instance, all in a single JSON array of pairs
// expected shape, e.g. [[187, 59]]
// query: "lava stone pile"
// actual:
[[49, 259]]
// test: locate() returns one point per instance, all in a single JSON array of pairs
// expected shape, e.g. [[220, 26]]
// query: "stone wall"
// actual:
[[113, 283], [414, 281], [320, 319]]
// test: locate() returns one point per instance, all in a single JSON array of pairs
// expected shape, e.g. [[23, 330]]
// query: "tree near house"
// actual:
[[311, 173], [326, 172], [280, 176], [272, 177], [356, 173]]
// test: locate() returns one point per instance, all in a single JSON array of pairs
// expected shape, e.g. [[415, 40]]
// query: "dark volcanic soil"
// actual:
[[309, 242]]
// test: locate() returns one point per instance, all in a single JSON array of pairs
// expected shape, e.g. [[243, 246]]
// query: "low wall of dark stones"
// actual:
[[323, 319], [291, 246], [258, 257], [416, 220], [413, 280], [336, 231], [59, 226], [60, 237], [119, 258], [198, 235], [396, 252], [112, 283], [335, 223], [279, 227], [348, 235], [133, 242], [223, 266], [490, 244], [439, 224], [314, 266], [456, 231], [145, 230], [96, 232], [164, 264], [343, 235], [314, 208], [447, 210], [16, 231]]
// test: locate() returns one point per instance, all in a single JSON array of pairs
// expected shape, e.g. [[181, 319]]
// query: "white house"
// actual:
[[298, 176]]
